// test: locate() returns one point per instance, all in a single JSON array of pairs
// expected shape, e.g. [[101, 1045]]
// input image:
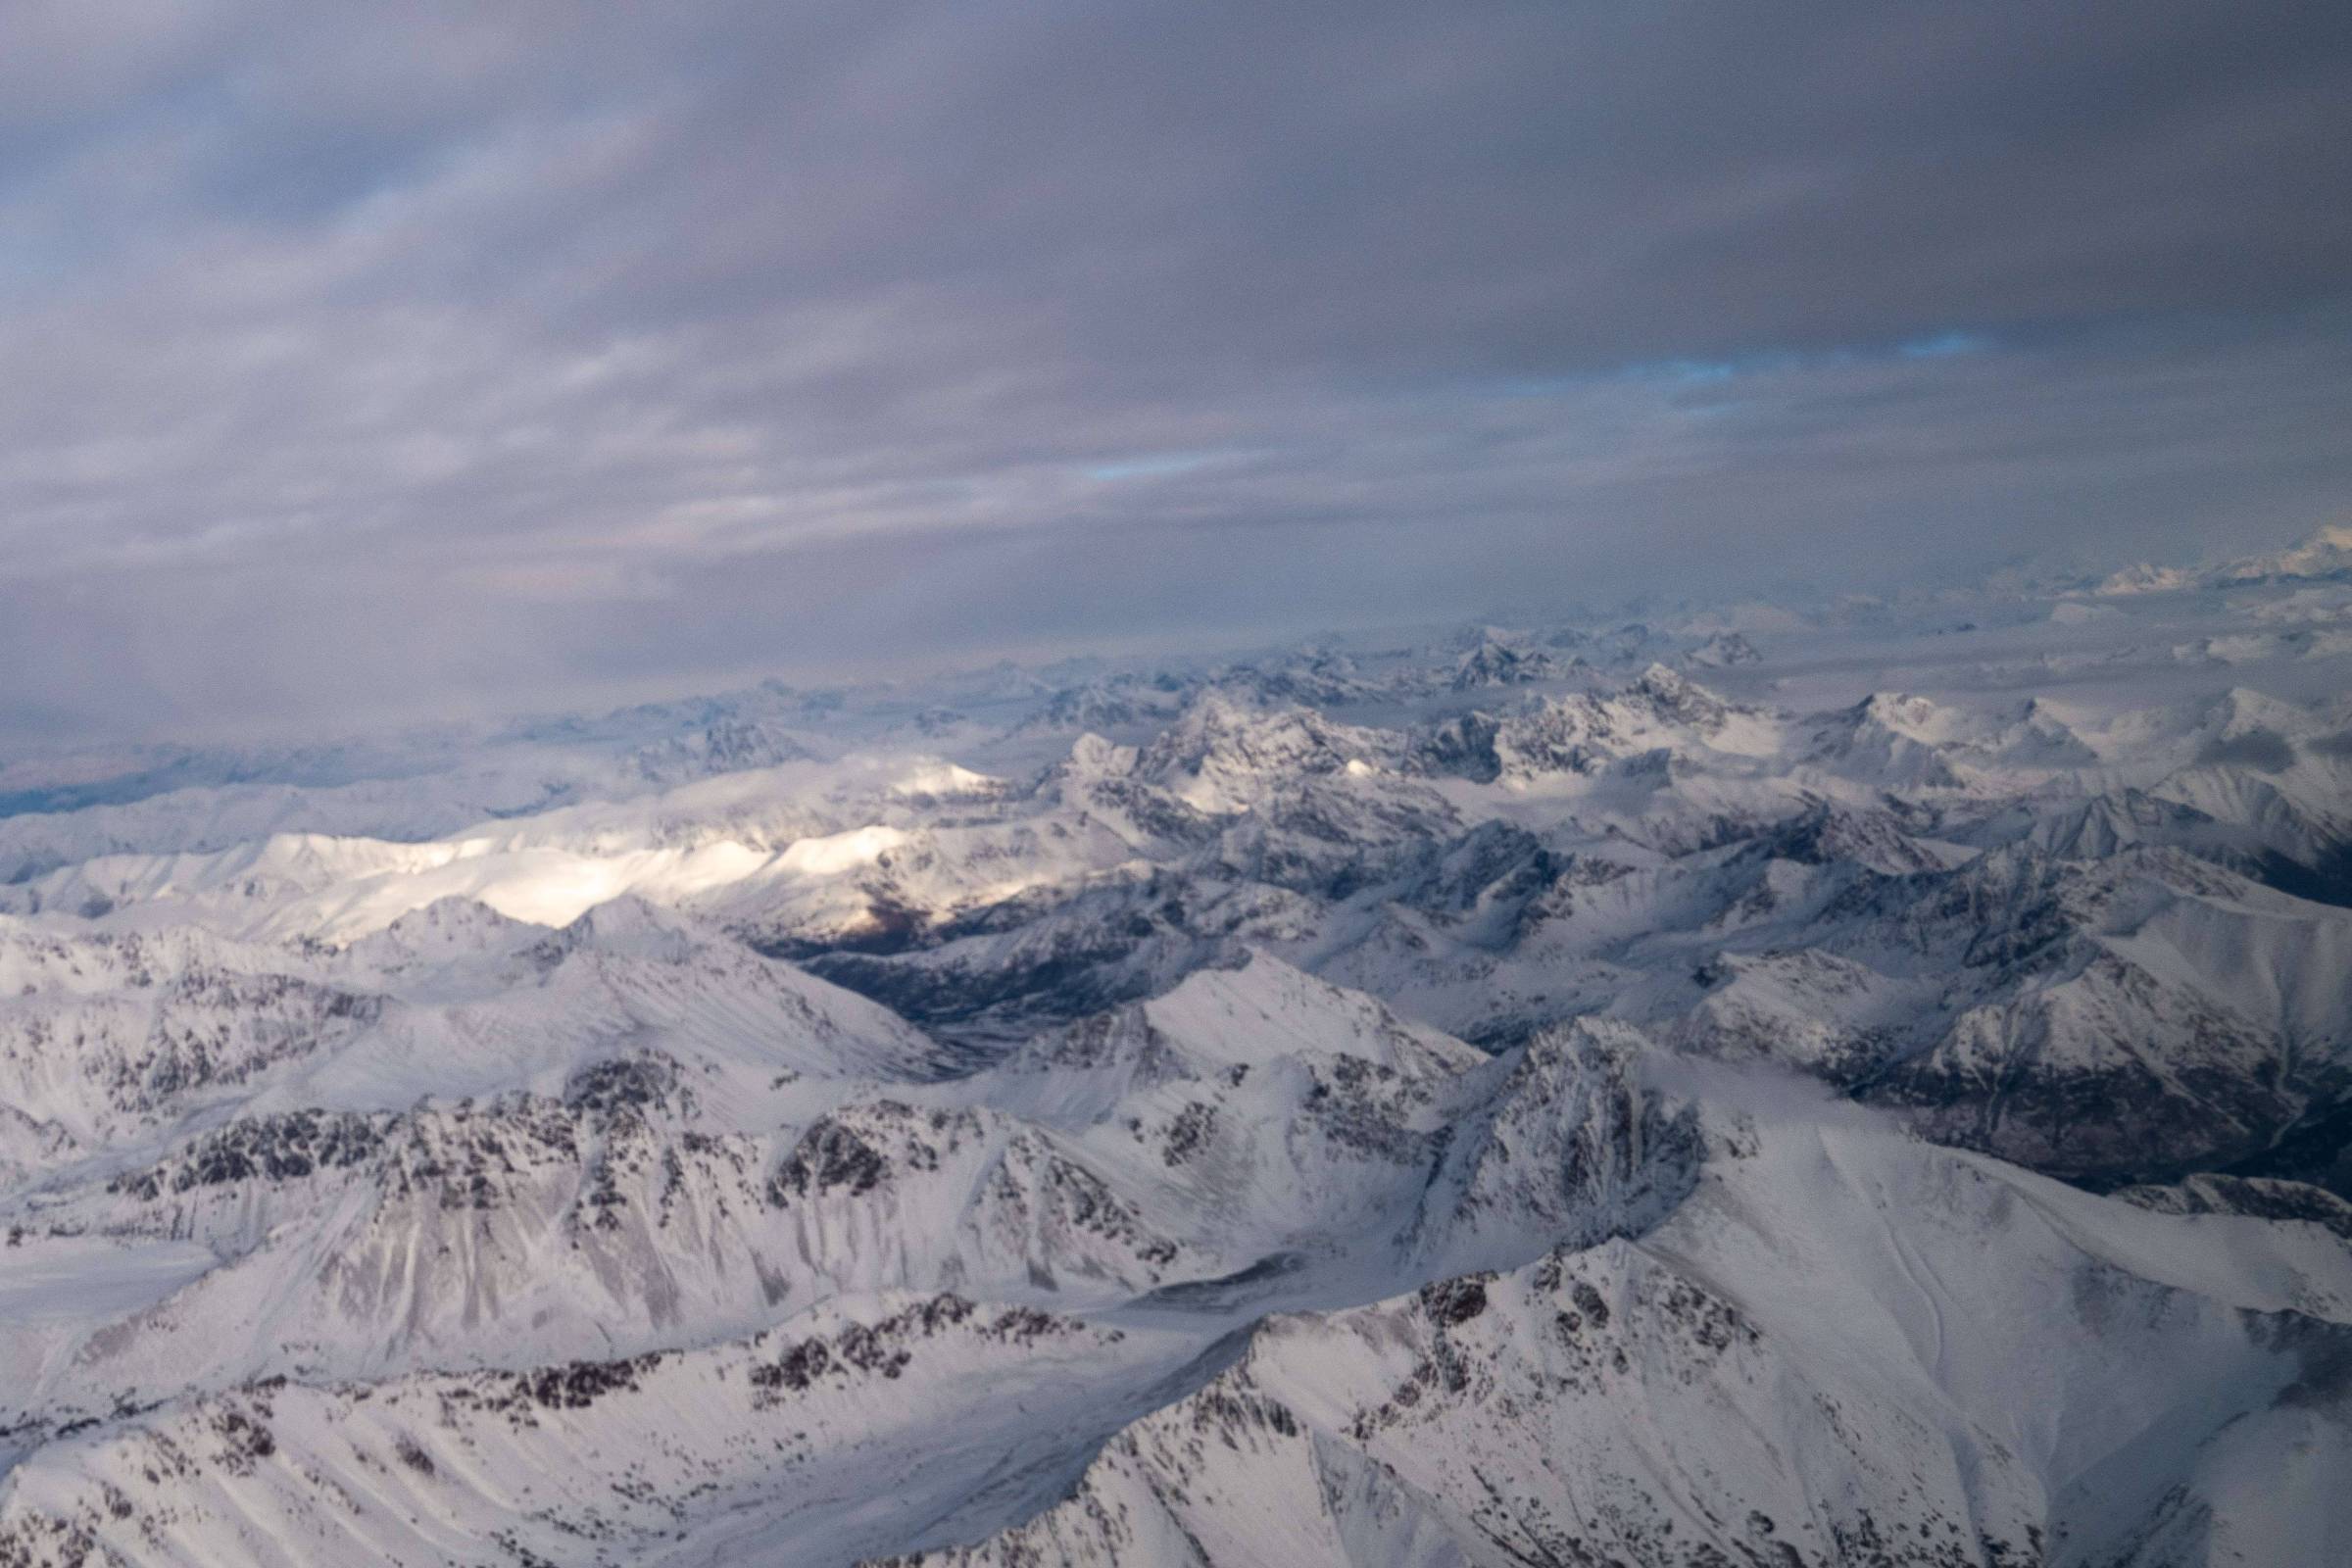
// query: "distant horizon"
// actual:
[[1199, 649], [435, 362], [1176, 782]]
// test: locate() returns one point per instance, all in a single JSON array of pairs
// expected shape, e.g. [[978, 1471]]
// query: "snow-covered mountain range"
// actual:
[[1862, 1086]]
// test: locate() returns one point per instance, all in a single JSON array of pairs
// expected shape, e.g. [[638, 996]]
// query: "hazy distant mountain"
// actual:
[[1557, 1095]]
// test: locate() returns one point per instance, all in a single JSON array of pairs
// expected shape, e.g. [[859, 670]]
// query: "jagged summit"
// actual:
[[1603, 1093], [2324, 552], [1221, 756]]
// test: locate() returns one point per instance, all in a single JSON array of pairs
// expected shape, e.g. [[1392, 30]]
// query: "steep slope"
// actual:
[[1805, 1364], [819, 1438], [1453, 1096]]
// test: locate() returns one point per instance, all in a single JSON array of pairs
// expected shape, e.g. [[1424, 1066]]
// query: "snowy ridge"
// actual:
[[1497, 1095], [1632, 1400]]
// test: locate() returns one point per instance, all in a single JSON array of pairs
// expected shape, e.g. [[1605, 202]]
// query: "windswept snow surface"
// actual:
[[1860, 1086]]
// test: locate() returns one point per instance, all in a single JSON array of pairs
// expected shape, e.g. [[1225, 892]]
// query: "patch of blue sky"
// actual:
[[1715, 373], [1944, 346], [1152, 465]]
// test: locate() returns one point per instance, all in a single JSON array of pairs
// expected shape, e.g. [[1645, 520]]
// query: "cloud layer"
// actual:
[[433, 357]]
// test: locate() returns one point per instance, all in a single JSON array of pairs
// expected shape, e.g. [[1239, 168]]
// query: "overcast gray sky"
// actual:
[[370, 361]]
